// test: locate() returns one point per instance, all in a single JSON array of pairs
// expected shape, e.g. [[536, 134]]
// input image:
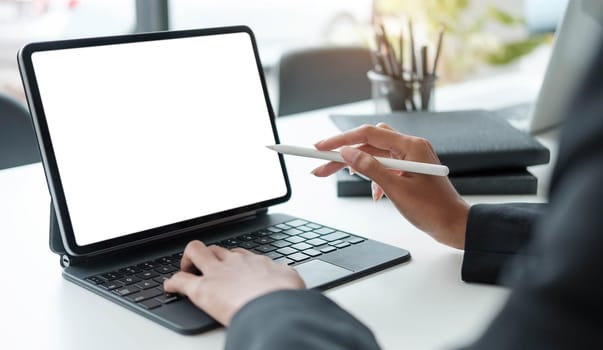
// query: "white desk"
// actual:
[[419, 305]]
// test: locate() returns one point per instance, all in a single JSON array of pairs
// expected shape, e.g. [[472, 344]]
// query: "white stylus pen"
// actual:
[[397, 164]]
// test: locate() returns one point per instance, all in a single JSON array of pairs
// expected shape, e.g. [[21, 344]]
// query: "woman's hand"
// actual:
[[230, 279], [429, 202]]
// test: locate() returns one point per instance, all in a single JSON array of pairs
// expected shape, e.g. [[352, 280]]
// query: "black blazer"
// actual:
[[552, 255]]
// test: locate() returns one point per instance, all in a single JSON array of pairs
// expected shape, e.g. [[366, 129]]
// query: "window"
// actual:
[[23, 21]]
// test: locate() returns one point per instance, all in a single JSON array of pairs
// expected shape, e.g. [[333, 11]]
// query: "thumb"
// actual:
[[366, 164]]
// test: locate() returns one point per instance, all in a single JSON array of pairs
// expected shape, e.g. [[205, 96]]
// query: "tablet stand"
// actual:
[[56, 241]]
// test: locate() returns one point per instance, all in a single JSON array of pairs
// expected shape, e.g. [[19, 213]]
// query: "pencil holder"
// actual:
[[396, 94]]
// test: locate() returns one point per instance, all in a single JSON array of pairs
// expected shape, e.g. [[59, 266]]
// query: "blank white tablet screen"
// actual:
[[152, 133]]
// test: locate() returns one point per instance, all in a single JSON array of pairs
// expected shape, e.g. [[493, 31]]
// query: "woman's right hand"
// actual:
[[431, 203]]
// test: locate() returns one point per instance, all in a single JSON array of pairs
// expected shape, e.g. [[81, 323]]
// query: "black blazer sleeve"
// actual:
[[296, 320], [556, 298], [495, 234]]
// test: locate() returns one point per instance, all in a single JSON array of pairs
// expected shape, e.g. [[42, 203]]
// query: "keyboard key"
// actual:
[[265, 248], [316, 242], [312, 252], [301, 246], [304, 228], [274, 229], [298, 257], [295, 239], [264, 240], [262, 233], [112, 285], [277, 236], [296, 222], [324, 230], [150, 304], [335, 236], [165, 260], [293, 231], [309, 235], [147, 275], [165, 269], [167, 298], [130, 270], [96, 280], [313, 225], [343, 245], [246, 237], [144, 295], [231, 242], [161, 279], [282, 226], [126, 281], [178, 255], [147, 284], [248, 245], [280, 244], [126, 290], [287, 251], [327, 249], [355, 240], [334, 243], [147, 265], [284, 261], [110, 276], [273, 255]]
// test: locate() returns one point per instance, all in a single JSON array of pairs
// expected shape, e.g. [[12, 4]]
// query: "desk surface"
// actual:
[[419, 305]]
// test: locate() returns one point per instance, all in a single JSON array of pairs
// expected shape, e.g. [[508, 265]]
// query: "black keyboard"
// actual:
[[286, 243]]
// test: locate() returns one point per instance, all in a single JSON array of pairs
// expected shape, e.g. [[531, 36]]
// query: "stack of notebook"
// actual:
[[485, 154]]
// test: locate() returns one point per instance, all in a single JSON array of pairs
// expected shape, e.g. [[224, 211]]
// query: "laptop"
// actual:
[[578, 36], [151, 140]]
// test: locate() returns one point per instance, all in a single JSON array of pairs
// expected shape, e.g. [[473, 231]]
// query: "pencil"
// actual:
[[389, 52], [401, 54], [424, 85], [424, 68], [413, 58], [377, 64], [438, 51]]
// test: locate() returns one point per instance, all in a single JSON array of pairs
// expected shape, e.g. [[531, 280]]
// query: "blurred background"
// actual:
[[483, 36]]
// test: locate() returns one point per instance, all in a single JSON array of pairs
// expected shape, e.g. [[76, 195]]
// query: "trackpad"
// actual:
[[317, 272]]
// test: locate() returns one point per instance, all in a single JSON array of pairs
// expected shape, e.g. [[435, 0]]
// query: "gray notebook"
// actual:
[[465, 141]]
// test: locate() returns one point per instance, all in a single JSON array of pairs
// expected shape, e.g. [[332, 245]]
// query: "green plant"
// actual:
[[469, 42]]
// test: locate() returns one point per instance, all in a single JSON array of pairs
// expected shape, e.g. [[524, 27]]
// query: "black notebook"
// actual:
[[514, 181], [465, 141]]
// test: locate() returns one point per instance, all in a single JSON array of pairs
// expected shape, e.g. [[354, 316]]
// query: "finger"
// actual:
[[242, 251], [181, 283], [385, 126], [380, 138], [376, 191], [367, 165], [197, 256], [333, 167], [220, 252], [328, 169]]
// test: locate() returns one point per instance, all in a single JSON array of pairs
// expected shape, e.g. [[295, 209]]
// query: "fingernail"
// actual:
[[351, 171], [380, 193], [349, 154], [374, 191], [313, 172], [319, 142]]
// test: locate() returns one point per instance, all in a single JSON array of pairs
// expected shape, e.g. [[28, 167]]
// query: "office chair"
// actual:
[[322, 77], [18, 144]]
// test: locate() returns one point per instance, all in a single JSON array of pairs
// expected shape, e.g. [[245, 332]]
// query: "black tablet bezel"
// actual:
[[50, 165]]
